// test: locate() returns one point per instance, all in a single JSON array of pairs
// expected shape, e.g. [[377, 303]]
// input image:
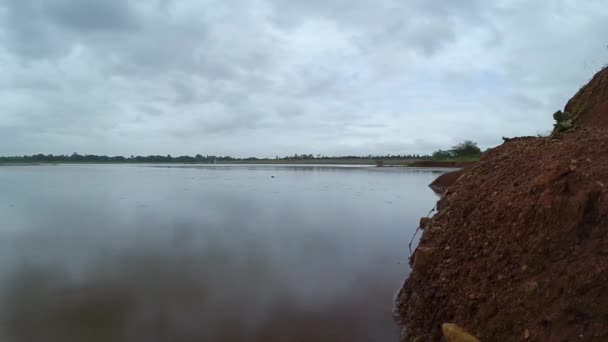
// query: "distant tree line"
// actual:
[[466, 149], [91, 158], [373, 157]]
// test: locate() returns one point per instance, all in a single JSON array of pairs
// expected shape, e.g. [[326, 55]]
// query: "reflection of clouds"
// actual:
[[183, 295], [239, 256], [40, 305], [317, 166]]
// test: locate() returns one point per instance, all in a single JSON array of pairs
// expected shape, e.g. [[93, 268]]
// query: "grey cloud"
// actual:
[[34, 84], [526, 102], [214, 125], [315, 83], [150, 110], [289, 109], [49, 28], [283, 76], [184, 93], [90, 15], [24, 33], [429, 37], [425, 25]]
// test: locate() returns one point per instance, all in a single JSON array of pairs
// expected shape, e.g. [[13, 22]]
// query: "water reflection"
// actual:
[[118, 253]]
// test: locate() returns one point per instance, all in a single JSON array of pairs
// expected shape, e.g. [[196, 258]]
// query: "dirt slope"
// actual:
[[590, 105], [441, 183], [519, 248]]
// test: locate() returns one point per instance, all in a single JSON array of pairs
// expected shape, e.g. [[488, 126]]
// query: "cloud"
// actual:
[[90, 15], [275, 77]]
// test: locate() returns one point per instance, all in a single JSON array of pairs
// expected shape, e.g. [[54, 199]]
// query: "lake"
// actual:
[[205, 253]]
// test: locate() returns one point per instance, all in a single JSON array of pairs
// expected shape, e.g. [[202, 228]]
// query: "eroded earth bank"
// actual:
[[518, 250]]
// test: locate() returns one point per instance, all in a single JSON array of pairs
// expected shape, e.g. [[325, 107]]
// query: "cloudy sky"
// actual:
[[278, 77]]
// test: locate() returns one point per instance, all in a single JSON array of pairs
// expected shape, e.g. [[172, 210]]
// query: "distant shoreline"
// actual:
[[369, 162]]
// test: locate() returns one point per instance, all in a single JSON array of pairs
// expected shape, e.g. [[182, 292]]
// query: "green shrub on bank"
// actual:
[[465, 151], [563, 121]]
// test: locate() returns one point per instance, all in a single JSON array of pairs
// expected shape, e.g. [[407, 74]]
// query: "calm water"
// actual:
[[218, 253]]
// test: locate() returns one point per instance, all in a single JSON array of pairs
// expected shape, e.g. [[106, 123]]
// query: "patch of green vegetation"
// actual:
[[460, 159], [563, 121], [463, 152]]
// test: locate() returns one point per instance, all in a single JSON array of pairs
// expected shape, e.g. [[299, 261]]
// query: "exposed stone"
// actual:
[[453, 333], [531, 287]]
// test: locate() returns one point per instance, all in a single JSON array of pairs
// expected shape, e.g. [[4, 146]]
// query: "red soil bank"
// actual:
[[519, 248], [441, 183]]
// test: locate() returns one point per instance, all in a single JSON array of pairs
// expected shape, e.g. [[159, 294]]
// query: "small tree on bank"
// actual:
[[443, 154], [467, 148]]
